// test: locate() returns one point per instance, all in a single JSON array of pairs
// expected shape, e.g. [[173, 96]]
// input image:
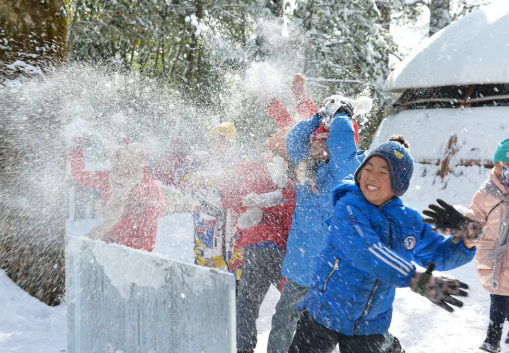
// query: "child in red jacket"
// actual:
[[132, 201], [215, 181], [264, 229]]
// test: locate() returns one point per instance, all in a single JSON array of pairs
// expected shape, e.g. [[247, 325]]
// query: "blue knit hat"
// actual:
[[401, 165], [502, 152]]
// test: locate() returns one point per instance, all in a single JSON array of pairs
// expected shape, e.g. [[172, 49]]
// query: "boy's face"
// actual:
[[319, 149], [376, 181]]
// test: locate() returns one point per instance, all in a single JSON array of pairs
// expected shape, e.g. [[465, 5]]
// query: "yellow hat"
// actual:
[[225, 129]]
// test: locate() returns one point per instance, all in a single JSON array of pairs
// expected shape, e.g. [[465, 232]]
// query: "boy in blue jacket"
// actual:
[[325, 152], [373, 239]]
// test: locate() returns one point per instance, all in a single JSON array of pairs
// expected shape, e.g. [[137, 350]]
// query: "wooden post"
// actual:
[[449, 153]]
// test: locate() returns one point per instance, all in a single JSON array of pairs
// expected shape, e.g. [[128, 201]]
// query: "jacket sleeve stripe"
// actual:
[[395, 257], [397, 268]]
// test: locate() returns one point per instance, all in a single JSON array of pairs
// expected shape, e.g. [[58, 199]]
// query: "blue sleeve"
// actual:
[[443, 251], [342, 148], [351, 233], [298, 140]]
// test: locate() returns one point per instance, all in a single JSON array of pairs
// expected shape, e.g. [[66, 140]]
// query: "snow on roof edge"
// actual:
[[459, 54]]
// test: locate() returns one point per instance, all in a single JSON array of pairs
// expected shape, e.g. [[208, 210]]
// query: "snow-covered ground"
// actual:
[[27, 325]]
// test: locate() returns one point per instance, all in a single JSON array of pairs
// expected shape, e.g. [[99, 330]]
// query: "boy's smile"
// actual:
[[375, 181]]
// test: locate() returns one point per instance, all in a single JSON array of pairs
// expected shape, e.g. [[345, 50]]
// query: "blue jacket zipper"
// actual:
[[377, 283], [334, 269]]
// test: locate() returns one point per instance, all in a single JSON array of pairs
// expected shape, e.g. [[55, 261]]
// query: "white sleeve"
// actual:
[[269, 199], [250, 218]]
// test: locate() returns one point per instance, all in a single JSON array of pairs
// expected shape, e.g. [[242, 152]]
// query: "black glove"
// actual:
[[445, 217], [438, 289], [450, 221], [334, 107], [345, 107]]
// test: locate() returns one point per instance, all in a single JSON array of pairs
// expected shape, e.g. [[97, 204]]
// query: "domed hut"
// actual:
[[454, 102]]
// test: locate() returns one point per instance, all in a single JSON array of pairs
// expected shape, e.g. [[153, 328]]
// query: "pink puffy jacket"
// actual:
[[485, 207]]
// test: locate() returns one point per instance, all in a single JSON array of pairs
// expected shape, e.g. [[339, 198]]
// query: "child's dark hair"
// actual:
[[400, 139]]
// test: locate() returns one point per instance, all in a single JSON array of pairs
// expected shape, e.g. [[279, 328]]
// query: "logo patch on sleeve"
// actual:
[[410, 242]]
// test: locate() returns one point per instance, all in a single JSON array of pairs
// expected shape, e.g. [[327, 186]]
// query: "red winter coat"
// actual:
[[145, 204], [246, 177], [254, 177], [166, 167], [276, 222]]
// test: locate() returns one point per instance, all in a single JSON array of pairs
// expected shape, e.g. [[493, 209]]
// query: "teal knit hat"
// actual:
[[502, 152]]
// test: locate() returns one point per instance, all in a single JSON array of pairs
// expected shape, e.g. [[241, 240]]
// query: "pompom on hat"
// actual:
[[399, 159]]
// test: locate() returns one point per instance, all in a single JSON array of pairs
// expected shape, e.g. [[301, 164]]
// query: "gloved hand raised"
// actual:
[[438, 289], [334, 106], [446, 218]]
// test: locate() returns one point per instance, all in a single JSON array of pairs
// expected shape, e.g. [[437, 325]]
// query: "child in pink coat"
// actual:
[[490, 208]]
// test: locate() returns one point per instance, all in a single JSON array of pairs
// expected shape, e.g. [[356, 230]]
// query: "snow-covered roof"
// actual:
[[472, 50], [428, 131]]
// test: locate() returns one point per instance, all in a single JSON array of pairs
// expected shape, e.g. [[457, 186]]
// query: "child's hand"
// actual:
[[470, 233], [438, 289], [299, 88], [447, 219], [250, 218], [251, 200]]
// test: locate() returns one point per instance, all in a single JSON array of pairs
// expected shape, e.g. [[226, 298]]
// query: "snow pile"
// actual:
[[22, 66], [134, 270], [28, 325], [458, 187], [473, 49], [428, 131]]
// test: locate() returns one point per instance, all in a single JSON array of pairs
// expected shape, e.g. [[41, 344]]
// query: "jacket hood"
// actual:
[[343, 187]]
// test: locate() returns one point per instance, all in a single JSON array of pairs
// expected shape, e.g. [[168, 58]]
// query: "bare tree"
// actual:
[[439, 16], [442, 12], [192, 55], [276, 7], [384, 7]]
